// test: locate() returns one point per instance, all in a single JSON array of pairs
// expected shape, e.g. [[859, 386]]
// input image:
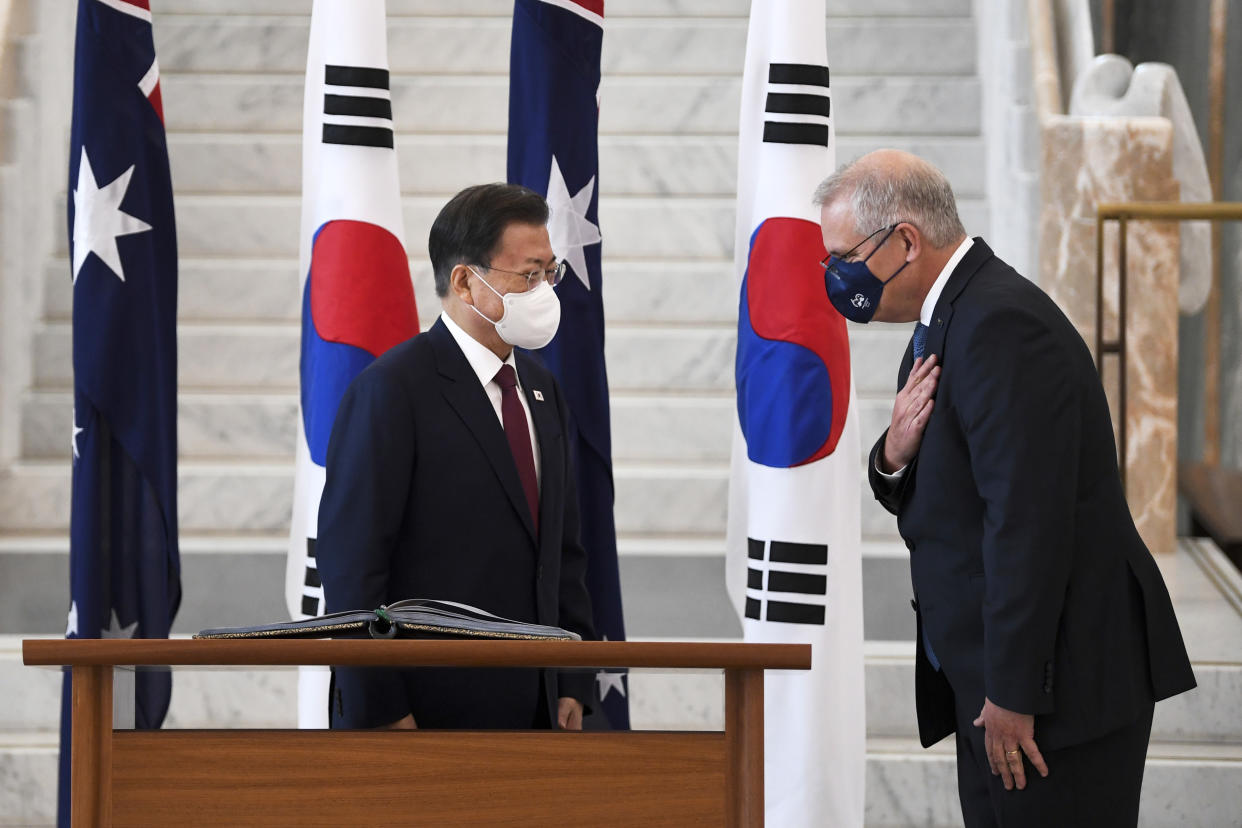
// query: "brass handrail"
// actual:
[[1123, 212]]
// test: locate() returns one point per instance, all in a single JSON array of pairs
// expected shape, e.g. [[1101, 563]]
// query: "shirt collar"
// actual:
[[933, 295], [482, 359]]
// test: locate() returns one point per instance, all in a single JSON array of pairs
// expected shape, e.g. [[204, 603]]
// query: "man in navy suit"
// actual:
[[448, 477], [1044, 630]]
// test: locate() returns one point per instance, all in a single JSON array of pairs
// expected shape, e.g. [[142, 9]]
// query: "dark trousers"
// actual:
[[1095, 784]]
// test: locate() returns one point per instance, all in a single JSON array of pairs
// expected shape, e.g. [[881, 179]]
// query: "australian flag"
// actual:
[[125, 572], [553, 149]]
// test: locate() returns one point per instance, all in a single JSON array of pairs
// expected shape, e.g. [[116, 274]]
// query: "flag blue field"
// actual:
[[124, 567], [357, 297], [794, 569], [553, 149]]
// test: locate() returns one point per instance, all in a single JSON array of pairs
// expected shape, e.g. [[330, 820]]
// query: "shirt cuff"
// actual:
[[891, 478]]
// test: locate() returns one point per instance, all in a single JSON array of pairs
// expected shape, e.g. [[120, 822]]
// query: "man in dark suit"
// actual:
[[1044, 632], [448, 477]]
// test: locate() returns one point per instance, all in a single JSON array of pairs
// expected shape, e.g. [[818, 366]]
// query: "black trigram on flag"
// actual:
[[312, 586], [797, 571], [798, 105], [357, 106]]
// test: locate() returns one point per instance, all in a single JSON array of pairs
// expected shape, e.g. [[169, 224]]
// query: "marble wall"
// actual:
[[1087, 161]]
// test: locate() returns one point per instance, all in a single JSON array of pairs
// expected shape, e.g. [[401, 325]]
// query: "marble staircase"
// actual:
[[904, 74], [232, 83]]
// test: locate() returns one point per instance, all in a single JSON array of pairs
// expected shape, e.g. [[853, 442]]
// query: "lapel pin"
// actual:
[[538, 394]]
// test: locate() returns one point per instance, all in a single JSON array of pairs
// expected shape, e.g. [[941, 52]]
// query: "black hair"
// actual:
[[470, 226]]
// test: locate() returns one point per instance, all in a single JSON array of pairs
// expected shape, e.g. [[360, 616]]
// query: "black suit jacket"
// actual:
[[423, 500], [1029, 575]]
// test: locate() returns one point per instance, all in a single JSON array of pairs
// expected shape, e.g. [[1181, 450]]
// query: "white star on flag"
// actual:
[[607, 681], [98, 220], [570, 229], [115, 630], [73, 441], [72, 627]]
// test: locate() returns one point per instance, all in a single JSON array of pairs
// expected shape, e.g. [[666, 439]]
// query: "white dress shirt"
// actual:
[[937, 288], [485, 364], [925, 316]]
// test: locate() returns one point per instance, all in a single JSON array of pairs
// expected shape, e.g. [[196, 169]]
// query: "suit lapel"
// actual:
[[461, 389], [978, 253]]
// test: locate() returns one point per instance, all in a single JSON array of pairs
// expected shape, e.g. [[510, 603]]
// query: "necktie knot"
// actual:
[[506, 377], [920, 340]]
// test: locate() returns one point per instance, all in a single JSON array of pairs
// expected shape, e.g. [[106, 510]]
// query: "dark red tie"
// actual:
[[517, 431]]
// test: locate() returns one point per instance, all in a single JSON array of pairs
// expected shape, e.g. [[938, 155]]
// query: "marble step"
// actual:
[[256, 426], [651, 498], [253, 497], [28, 777], [442, 164], [264, 357], [646, 46], [905, 784], [267, 226], [672, 586], [266, 291], [628, 8], [262, 427], [636, 227], [690, 292], [671, 105], [1183, 785]]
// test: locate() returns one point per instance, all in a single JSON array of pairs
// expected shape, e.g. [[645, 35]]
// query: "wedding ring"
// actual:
[[1011, 752]]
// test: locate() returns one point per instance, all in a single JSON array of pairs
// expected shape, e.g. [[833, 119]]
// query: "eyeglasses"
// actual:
[[552, 275], [828, 262]]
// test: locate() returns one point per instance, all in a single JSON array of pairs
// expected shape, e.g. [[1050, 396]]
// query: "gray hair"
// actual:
[[919, 194]]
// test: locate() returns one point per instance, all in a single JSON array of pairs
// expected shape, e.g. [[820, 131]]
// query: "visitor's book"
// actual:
[[411, 618]]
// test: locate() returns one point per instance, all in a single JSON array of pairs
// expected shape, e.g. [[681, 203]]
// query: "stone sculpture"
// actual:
[[1112, 86]]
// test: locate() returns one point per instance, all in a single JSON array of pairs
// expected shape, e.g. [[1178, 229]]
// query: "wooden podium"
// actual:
[[372, 777]]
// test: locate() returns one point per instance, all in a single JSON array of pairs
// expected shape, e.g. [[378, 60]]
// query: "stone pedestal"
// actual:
[[1086, 161]]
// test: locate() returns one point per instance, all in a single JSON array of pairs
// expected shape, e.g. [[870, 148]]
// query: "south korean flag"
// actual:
[[794, 568], [357, 296]]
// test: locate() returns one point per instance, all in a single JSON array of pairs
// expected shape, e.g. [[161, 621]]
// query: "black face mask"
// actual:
[[852, 288]]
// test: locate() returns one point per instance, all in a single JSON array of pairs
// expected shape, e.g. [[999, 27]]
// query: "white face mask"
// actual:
[[530, 319]]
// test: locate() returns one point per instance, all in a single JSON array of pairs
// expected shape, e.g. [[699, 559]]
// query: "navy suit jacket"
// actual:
[[423, 500], [1029, 575]]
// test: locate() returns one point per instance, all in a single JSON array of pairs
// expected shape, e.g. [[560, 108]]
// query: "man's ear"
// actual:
[[912, 239], [459, 283]]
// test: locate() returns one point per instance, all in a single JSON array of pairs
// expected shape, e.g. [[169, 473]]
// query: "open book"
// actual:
[[411, 618]]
